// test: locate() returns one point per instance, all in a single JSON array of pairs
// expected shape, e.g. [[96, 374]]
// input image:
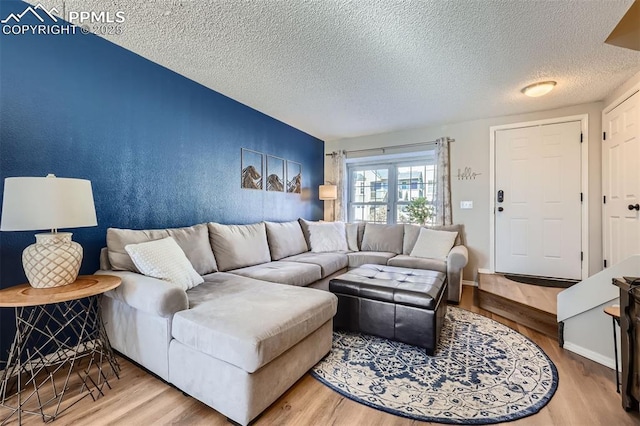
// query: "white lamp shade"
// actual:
[[328, 192], [34, 203]]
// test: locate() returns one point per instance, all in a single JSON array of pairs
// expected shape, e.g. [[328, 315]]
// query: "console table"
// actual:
[[630, 342], [60, 346]]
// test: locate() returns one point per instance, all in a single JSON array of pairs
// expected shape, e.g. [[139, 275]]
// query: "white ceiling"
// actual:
[[337, 68]]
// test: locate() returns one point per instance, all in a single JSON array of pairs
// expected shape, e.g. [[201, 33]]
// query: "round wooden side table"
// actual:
[[60, 344]]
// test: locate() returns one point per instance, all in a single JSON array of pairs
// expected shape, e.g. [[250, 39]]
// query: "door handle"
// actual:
[[634, 207], [500, 209]]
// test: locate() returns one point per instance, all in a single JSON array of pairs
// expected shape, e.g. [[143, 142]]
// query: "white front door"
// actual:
[[538, 213], [621, 181]]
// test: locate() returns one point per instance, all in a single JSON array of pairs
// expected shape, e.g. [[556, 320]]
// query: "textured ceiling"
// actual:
[[336, 68]]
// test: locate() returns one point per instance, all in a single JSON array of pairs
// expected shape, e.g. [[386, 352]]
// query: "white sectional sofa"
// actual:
[[260, 319]]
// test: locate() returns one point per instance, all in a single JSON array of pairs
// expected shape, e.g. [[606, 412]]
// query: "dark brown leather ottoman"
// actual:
[[403, 304]]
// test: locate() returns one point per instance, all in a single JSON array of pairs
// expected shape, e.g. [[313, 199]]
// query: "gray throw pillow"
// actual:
[[352, 236], [285, 239], [238, 246], [381, 237], [304, 224], [194, 241]]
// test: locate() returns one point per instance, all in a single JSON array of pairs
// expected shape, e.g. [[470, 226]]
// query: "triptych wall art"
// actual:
[[282, 175]]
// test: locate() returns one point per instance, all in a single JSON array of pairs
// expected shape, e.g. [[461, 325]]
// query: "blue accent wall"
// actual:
[[159, 149]]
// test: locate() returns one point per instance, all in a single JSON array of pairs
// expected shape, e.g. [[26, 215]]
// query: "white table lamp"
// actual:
[[36, 203], [329, 193]]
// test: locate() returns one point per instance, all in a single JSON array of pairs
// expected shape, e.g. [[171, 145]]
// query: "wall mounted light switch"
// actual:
[[466, 204]]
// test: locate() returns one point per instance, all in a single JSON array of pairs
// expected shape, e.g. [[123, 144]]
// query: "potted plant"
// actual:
[[420, 211]]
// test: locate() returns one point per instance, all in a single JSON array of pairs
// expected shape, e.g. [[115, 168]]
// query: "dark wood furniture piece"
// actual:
[[630, 342]]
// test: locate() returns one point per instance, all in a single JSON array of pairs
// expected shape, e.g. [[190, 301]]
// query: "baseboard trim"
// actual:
[[485, 271], [470, 283], [589, 354]]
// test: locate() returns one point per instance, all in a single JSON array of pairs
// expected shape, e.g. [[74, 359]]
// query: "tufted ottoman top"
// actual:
[[405, 286]]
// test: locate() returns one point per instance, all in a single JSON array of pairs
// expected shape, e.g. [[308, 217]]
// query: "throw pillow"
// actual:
[[327, 236], [239, 246], [352, 236], [285, 239], [381, 237], [411, 233], [165, 260], [433, 244], [117, 239]]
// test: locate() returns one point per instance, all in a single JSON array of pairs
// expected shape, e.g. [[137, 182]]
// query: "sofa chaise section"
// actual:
[[253, 339]]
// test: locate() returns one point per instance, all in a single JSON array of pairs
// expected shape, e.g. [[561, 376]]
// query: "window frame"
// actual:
[[391, 165]]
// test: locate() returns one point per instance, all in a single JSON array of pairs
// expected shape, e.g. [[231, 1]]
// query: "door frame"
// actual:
[[604, 181], [584, 183]]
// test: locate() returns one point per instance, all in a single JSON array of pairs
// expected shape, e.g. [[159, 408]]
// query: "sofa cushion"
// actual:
[[249, 323], [117, 239], [193, 240], [405, 261], [363, 257], [411, 233], [165, 260], [380, 237], [292, 273], [304, 224], [238, 246], [352, 229], [327, 237], [328, 262], [432, 244], [285, 239]]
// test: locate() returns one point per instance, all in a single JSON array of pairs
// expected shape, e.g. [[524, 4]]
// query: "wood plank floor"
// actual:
[[586, 396]]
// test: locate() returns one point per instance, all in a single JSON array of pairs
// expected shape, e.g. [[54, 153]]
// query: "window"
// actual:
[[380, 192]]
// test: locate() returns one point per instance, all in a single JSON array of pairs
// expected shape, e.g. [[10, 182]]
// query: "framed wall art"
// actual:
[[275, 174], [294, 177], [252, 169]]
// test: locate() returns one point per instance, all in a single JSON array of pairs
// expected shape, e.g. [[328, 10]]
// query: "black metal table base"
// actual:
[[59, 356]]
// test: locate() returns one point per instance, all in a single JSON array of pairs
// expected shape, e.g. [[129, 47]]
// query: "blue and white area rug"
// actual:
[[482, 373]]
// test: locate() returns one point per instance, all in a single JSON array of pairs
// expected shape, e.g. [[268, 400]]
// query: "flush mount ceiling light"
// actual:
[[538, 89]]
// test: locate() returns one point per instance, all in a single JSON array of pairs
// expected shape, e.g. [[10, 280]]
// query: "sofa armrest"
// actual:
[[457, 258], [151, 295], [456, 261]]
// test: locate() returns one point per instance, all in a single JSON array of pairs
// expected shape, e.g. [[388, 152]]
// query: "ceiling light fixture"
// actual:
[[539, 89]]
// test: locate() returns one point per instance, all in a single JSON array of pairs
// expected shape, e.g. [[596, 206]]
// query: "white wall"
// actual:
[[590, 334], [471, 149], [622, 89], [587, 329]]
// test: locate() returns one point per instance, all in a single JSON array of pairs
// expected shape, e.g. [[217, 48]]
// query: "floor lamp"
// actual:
[[329, 193]]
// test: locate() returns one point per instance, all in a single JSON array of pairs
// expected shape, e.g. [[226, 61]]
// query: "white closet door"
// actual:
[[621, 181]]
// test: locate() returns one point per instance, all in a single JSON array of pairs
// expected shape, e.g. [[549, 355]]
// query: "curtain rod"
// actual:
[[383, 149]]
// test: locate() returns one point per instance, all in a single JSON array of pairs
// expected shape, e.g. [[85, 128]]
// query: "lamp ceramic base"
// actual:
[[53, 261]]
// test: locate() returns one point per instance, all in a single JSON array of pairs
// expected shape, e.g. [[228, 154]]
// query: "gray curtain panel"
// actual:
[[339, 175], [443, 183]]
